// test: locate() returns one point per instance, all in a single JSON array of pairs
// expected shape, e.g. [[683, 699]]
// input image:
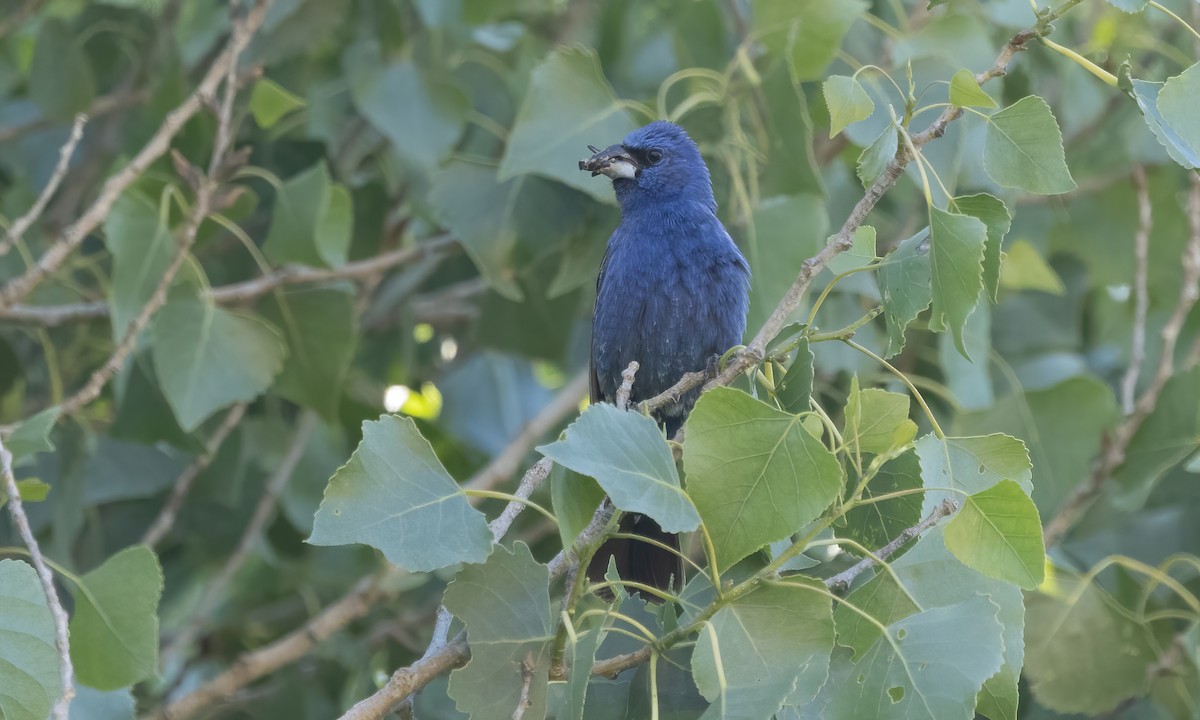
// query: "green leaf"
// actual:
[[755, 473], [1023, 149], [1178, 145], [965, 92], [1062, 425], [575, 498], [33, 490], [998, 532], [114, 631], [28, 657], [956, 270], [904, 285], [627, 454], [207, 358], [763, 648], [847, 101], [860, 254], [505, 605], [320, 327], [422, 118], [311, 222], [60, 75], [786, 231], [876, 524], [995, 215], [789, 134], [394, 495], [876, 420], [1025, 269], [806, 32], [970, 381], [1177, 106], [581, 652], [568, 106], [875, 158], [1167, 437], [90, 704], [794, 389], [32, 436], [971, 464], [269, 102], [137, 235], [468, 200], [884, 599], [930, 665], [1084, 653]]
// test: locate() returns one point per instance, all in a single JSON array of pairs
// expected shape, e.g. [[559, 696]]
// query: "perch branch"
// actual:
[[66, 673]]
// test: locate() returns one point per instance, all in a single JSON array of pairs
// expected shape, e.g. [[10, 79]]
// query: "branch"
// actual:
[[19, 287], [842, 580], [165, 519], [1114, 452], [58, 614], [626, 385], [23, 223], [506, 463], [54, 315], [284, 651], [263, 512], [1141, 257]]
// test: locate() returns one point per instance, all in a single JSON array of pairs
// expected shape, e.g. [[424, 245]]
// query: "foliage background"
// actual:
[[418, 158]]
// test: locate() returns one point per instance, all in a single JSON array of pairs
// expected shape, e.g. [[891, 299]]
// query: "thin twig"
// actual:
[[1113, 453], [284, 651], [526, 681], [843, 580], [165, 519], [1141, 257], [672, 394], [214, 590], [26, 221], [66, 673], [15, 20], [509, 460], [17, 288], [626, 387], [242, 292]]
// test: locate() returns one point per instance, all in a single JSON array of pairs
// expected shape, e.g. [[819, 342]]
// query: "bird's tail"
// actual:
[[639, 561]]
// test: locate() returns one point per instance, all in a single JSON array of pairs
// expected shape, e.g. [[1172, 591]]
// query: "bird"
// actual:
[[672, 294]]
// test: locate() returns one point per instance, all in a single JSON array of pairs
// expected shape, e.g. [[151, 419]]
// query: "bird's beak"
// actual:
[[613, 161]]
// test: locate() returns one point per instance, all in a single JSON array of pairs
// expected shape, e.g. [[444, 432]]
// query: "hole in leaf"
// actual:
[[896, 694], [982, 470], [901, 633]]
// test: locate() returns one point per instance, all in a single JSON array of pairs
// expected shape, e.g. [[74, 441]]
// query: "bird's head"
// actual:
[[655, 164]]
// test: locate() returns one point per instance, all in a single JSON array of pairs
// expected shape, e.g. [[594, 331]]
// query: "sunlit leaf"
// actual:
[[998, 532], [269, 102], [965, 91], [1024, 149], [754, 472], [847, 101]]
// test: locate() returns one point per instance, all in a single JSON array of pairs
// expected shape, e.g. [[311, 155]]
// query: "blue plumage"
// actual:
[[672, 294], [673, 289]]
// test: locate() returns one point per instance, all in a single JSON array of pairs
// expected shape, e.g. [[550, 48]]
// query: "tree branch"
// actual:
[[23, 223], [1114, 451], [1141, 261], [263, 512], [54, 315], [842, 580], [66, 673], [165, 519], [19, 287]]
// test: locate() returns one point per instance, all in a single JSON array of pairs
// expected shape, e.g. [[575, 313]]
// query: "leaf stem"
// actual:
[[937, 429]]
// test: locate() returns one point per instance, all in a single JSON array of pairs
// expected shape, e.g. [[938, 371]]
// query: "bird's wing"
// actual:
[[594, 380]]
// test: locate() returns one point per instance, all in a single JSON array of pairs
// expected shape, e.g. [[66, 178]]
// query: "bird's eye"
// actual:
[[654, 156]]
